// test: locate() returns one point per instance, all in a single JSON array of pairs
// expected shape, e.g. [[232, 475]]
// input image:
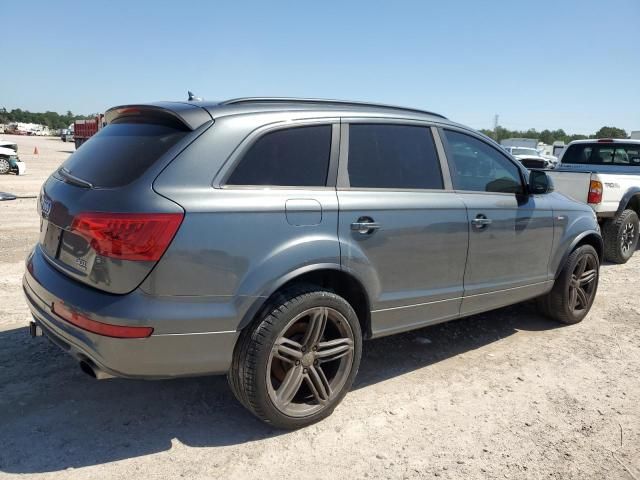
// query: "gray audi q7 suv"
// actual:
[[265, 238]]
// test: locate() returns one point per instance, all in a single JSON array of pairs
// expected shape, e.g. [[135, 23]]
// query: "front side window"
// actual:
[[295, 157], [393, 156], [476, 166]]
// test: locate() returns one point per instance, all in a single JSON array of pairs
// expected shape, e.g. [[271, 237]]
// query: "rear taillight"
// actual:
[[128, 236], [105, 329], [595, 192]]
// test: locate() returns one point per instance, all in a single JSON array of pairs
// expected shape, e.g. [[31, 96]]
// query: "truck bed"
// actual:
[[575, 184]]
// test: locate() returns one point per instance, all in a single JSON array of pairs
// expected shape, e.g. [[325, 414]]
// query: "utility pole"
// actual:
[[495, 126]]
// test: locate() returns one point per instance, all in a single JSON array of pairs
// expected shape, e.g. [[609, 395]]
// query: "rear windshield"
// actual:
[[121, 152], [603, 154], [524, 151]]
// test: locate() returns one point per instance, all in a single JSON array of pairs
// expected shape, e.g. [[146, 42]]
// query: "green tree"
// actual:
[[51, 119], [611, 132]]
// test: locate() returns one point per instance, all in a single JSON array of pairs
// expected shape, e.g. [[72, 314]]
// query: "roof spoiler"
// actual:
[[188, 115]]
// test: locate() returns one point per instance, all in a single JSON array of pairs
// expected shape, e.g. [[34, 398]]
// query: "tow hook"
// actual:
[[35, 330]]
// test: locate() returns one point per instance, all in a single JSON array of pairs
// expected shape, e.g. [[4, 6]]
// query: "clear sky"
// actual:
[[544, 64]]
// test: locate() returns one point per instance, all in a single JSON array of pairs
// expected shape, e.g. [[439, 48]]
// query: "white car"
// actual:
[[605, 173], [9, 161], [532, 158]]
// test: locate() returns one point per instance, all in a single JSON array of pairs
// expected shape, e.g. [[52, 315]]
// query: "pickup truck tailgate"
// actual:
[[571, 184]]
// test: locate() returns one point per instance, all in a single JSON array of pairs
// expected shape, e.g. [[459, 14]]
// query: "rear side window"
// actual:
[[295, 157], [393, 156], [603, 154], [121, 152], [476, 166]]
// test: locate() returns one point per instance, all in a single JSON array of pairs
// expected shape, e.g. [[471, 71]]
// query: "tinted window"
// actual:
[[393, 156], [479, 167], [603, 154], [291, 157], [121, 152]]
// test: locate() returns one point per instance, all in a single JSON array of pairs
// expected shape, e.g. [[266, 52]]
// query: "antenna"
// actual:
[[192, 97]]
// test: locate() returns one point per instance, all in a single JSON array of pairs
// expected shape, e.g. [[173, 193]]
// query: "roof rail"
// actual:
[[236, 101]]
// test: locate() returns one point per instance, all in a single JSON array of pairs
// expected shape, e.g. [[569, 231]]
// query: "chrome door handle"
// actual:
[[481, 221], [365, 225]]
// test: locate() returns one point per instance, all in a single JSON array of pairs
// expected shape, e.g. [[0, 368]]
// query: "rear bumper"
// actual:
[[162, 355]]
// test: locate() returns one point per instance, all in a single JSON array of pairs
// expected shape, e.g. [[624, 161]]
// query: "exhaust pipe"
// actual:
[[94, 372]]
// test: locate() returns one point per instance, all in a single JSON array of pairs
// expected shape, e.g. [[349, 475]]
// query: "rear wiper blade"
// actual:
[[73, 179]]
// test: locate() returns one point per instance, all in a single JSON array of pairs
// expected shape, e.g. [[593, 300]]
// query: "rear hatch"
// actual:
[[101, 221]]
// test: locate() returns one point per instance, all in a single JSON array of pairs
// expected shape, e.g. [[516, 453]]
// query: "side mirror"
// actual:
[[539, 182]]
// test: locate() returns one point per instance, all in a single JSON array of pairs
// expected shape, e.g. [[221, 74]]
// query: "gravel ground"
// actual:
[[507, 394]]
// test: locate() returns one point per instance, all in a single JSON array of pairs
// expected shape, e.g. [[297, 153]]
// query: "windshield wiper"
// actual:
[[73, 179]]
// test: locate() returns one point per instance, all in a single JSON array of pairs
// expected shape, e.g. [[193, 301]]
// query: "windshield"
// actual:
[[603, 154], [524, 151]]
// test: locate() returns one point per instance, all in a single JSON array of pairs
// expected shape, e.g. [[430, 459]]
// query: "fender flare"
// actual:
[[626, 198], [593, 233], [260, 301]]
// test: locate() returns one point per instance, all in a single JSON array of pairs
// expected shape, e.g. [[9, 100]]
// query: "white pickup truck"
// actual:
[[605, 173]]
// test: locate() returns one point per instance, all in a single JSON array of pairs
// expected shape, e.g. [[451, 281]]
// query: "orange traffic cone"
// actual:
[[35, 151]]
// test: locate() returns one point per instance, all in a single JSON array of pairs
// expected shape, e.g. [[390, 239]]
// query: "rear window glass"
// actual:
[[603, 154], [121, 152], [524, 151], [297, 157]]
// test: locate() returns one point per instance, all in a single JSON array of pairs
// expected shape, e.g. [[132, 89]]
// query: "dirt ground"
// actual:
[[506, 394]]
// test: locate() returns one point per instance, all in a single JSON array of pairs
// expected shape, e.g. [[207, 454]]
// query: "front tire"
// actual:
[[621, 237], [296, 363], [575, 288], [5, 166]]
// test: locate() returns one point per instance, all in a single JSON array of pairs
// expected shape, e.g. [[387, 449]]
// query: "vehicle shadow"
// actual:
[[53, 417]]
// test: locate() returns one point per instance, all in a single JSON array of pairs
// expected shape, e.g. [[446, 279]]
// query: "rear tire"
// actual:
[[621, 237], [575, 288], [297, 361]]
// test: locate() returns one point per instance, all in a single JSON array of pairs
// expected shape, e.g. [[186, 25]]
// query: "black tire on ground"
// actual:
[[575, 288], [621, 237], [77, 143], [303, 329], [5, 167]]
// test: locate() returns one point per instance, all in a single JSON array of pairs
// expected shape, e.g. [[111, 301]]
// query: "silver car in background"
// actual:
[[266, 238]]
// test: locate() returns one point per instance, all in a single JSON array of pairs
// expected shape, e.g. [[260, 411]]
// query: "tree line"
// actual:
[[56, 121], [550, 136], [53, 120]]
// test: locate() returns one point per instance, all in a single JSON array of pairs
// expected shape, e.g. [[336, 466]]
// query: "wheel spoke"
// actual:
[[318, 384], [580, 268], [582, 296], [287, 350], [587, 277], [334, 349], [316, 326], [573, 297], [290, 386]]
